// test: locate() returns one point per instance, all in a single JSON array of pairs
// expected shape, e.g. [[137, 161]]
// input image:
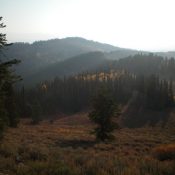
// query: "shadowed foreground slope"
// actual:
[[66, 147]]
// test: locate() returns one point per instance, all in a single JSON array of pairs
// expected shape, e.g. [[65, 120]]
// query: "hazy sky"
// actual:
[[137, 24]]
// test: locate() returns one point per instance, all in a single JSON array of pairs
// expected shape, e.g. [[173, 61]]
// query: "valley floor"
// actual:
[[66, 147]]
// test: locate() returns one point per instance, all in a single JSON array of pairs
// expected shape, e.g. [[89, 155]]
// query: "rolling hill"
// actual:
[[43, 60], [40, 54], [84, 62]]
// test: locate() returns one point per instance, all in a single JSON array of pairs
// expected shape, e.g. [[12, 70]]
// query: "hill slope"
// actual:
[[38, 58], [80, 63], [41, 54]]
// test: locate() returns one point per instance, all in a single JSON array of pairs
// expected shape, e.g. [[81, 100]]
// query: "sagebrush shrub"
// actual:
[[164, 152]]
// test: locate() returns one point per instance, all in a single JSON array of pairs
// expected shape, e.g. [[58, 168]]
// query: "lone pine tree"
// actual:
[[103, 111]]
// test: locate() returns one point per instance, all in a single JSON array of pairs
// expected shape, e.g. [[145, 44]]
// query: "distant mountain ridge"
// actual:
[[52, 57], [41, 54]]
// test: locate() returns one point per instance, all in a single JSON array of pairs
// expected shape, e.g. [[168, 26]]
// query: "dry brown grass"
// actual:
[[67, 147]]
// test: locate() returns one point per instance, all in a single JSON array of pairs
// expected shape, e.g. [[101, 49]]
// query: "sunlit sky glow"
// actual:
[[136, 24]]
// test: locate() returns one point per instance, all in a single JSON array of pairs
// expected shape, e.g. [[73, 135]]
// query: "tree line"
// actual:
[[144, 64], [73, 94]]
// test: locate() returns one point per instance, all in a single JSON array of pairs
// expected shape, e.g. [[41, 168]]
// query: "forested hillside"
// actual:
[[144, 64], [41, 54], [40, 59], [81, 63], [73, 94]]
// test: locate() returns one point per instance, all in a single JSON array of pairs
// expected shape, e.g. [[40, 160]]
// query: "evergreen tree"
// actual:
[[104, 109], [170, 94], [36, 112], [11, 106], [7, 79], [3, 112]]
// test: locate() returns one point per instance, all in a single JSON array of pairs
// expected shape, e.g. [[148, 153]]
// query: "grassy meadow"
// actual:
[[66, 147]]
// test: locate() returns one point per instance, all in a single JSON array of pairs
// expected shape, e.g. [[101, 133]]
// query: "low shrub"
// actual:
[[164, 152], [32, 153], [6, 150]]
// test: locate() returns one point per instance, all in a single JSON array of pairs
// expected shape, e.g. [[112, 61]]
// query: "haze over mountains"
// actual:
[[44, 60]]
